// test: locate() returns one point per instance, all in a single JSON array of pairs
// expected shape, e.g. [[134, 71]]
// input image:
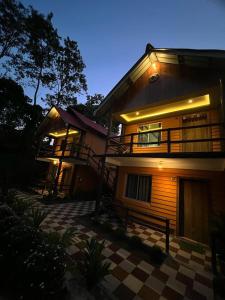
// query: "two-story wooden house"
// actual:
[[170, 154], [69, 142]]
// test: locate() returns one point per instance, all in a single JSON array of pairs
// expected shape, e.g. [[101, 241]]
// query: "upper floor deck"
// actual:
[[201, 132]]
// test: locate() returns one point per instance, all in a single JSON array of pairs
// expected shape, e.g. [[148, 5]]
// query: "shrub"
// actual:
[[36, 217], [65, 239], [7, 218], [20, 206], [135, 241], [30, 263], [44, 271], [120, 233], [92, 265]]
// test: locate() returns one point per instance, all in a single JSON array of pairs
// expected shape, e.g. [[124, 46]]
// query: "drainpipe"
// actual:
[[100, 187], [60, 162]]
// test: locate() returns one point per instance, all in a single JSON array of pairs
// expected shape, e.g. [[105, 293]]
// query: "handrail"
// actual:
[[165, 220], [166, 129], [167, 139], [80, 151]]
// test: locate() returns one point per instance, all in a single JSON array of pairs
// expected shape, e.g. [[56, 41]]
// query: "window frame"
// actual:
[[149, 196], [160, 134]]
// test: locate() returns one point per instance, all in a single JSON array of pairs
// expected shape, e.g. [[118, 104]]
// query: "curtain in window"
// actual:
[[132, 185], [138, 187]]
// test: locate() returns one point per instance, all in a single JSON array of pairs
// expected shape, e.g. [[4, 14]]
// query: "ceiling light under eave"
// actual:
[[62, 133], [160, 110]]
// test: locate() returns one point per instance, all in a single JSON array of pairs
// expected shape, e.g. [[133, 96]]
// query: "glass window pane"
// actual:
[[144, 188], [132, 183]]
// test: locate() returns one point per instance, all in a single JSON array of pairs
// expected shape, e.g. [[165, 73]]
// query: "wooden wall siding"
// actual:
[[175, 82], [171, 122], [96, 142], [71, 139], [165, 190], [85, 180]]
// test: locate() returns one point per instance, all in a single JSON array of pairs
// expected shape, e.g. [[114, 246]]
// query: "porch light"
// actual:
[[160, 166], [190, 101], [137, 113], [54, 162]]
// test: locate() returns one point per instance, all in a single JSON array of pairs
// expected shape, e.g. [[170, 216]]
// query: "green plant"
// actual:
[[135, 241], [20, 206], [217, 224], [65, 239], [36, 217], [7, 218], [92, 265], [120, 233]]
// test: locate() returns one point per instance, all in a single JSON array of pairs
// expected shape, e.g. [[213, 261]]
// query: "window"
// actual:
[[139, 187], [150, 137]]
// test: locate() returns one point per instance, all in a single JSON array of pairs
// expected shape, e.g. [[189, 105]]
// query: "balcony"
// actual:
[[64, 150], [199, 140]]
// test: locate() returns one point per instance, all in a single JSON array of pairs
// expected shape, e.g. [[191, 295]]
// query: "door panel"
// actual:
[[195, 210], [196, 133]]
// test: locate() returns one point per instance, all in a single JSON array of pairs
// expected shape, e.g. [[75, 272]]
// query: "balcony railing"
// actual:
[[80, 152], [196, 138]]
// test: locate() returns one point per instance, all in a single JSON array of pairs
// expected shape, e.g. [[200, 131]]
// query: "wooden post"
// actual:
[[168, 140], [167, 236], [131, 142], [222, 103], [101, 182], [60, 163]]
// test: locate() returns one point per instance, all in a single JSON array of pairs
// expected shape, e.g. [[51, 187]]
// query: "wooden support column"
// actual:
[[101, 183], [60, 162], [222, 103]]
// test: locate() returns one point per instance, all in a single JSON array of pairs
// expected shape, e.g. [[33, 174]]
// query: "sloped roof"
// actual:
[[89, 123], [75, 119], [194, 57], [69, 118]]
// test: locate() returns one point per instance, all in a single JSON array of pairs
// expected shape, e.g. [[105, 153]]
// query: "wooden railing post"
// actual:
[[167, 236], [168, 140], [131, 143]]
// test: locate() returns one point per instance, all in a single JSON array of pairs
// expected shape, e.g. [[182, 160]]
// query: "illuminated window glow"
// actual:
[[182, 105]]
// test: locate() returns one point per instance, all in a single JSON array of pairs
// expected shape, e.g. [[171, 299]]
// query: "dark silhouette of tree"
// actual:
[[12, 33], [18, 122], [34, 60], [67, 74]]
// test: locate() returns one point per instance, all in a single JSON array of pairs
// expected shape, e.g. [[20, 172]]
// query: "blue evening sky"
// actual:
[[112, 34]]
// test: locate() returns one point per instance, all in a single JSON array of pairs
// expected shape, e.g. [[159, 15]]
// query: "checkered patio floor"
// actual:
[[183, 275]]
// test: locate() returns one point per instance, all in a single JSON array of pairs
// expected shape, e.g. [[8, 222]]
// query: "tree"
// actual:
[[18, 122], [67, 74], [13, 103], [34, 60], [12, 18]]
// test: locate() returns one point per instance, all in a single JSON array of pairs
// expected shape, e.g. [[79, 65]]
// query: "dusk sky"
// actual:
[[112, 34]]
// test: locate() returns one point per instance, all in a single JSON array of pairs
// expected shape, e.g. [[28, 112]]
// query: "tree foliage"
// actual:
[[34, 60], [36, 56], [67, 74], [12, 33]]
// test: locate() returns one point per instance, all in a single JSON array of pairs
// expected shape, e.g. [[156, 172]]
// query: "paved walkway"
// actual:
[[132, 277]]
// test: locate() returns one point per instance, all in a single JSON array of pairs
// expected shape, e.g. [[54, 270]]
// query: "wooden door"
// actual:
[[194, 216], [196, 133]]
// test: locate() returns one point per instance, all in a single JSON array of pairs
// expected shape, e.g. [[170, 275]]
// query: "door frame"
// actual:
[[180, 198]]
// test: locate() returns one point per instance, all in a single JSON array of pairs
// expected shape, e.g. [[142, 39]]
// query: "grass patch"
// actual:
[[191, 246]]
